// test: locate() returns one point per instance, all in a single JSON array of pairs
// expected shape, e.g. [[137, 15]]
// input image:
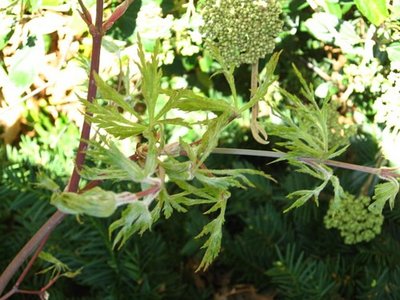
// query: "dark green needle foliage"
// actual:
[[298, 277]]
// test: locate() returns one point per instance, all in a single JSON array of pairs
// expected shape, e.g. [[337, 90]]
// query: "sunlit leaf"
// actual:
[[151, 77], [375, 11], [322, 25], [189, 101], [107, 92], [211, 136], [119, 166], [393, 51], [22, 71], [112, 121]]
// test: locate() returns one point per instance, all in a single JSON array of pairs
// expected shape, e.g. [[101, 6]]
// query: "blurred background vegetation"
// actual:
[[349, 52]]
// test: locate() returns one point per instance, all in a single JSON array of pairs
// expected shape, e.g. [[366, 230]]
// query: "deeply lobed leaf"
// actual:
[[384, 192], [136, 217]]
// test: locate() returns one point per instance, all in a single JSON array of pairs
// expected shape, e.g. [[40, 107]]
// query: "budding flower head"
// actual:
[[354, 220], [242, 30]]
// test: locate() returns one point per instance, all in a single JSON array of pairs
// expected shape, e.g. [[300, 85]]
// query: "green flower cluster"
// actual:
[[353, 219], [242, 30]]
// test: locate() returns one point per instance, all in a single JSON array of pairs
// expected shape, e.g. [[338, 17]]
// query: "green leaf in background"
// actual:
[[334, 8], [6, 30], [374, 10], [323, 26], [24, 67], [393, 51], [4, 38], [33, 5], [205, 63], [52, 2], [188, 63], [346, 7], [144, 2]]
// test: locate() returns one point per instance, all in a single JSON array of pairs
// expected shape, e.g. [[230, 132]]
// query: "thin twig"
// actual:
[[318, 71], [50, 283], [29, 247], [31, 261], [333, 163]]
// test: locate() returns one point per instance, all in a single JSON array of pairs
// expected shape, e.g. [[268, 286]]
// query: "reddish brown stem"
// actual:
[[31, 261], [94, 68], [29, 247], [41, 293], [56, 218], [50, 283], [152, 190], [28, 292]]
